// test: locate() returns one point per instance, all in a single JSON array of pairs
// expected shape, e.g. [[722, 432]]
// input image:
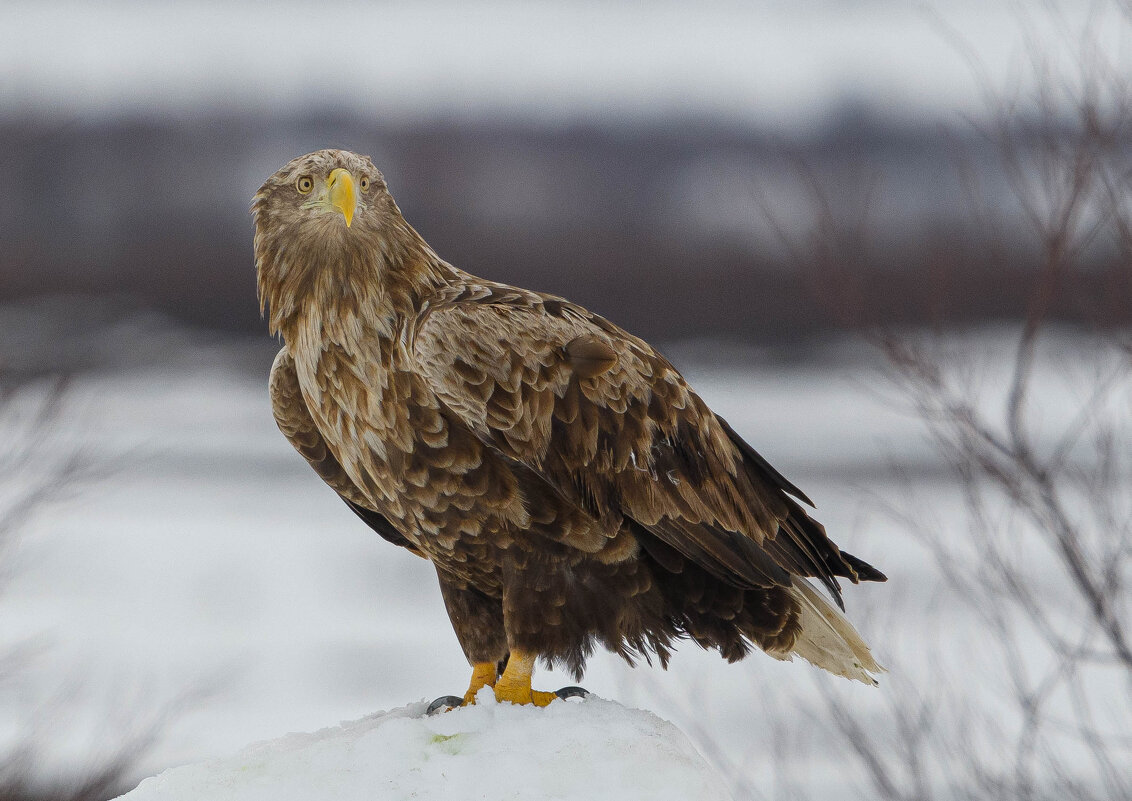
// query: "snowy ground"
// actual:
[[592, 749], [212, 583]]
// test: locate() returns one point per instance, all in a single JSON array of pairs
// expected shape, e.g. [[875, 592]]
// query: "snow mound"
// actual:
[[594, 749]]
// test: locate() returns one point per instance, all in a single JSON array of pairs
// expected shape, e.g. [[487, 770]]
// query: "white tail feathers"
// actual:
[[828, 639]]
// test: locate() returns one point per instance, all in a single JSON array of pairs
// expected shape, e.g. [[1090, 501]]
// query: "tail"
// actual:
[[827, 639]]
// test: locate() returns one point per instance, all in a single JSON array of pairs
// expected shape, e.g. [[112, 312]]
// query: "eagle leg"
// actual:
[[515, 683], [484, 674]]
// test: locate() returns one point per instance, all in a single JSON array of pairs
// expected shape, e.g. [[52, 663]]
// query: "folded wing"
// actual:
[[295, 421], [612, 426]]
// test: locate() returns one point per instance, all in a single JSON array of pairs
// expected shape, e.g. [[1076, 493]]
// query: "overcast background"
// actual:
[[748, 185], [634, 157]]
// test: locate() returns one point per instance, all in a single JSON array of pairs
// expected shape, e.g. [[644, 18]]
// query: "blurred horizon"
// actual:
[[771, 65], [636, 162]]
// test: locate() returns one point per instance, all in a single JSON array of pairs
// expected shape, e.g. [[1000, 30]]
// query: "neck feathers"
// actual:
[[346, 281]]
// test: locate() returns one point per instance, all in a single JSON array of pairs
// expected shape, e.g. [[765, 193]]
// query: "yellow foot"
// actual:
[[515, 683], [523, 695], [483, 675]]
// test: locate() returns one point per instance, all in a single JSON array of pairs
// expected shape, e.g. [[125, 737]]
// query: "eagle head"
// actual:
[[323, 224]]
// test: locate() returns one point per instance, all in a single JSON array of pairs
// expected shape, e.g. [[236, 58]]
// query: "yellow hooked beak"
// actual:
[[342, 195]]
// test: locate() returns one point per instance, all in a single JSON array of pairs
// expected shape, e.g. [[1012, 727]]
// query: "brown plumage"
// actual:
[[568, 485]]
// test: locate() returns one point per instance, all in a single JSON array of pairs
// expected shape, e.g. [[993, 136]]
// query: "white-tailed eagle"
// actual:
[[567, 484]]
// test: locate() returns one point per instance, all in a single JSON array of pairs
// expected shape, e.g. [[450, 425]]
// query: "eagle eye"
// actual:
[[364, 183], [305, 184]]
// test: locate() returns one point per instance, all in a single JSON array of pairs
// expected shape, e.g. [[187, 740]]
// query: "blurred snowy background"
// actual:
[[889, 241]]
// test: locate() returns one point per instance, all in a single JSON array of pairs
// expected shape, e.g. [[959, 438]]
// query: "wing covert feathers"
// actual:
[[611, 425], [297, 425]]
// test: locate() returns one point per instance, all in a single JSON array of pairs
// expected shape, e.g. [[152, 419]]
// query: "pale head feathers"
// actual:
[[307, 259]]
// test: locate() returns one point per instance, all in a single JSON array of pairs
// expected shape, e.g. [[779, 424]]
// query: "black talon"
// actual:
[[444, 703], [573, 692]]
